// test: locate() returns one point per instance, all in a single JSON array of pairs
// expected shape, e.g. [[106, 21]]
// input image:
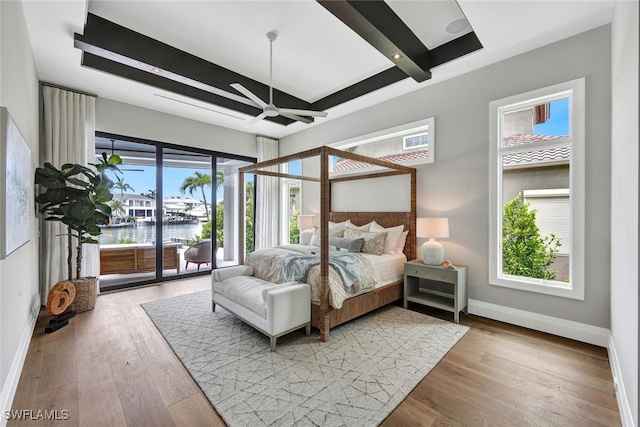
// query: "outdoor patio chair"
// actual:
[[200, 253]]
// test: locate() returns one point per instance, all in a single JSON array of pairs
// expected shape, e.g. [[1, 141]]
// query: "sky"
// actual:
[[558, 123], [142, 182]]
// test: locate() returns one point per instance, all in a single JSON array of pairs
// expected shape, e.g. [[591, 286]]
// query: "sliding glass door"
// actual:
[[127, 243], [187, 188], [174, 212]]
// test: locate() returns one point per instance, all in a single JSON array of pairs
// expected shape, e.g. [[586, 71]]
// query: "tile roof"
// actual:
[[533, 156], [347, 164]]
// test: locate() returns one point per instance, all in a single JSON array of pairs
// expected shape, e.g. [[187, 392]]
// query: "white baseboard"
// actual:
[[11, 383], [621, 394], [540, 322]]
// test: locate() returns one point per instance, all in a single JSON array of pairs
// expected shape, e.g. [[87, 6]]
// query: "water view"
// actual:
[[146, 233]]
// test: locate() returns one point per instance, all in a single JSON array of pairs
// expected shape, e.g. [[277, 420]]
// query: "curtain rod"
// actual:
[[68, 89]]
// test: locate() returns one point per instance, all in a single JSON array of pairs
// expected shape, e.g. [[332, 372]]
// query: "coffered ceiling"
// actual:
[[180, 57]]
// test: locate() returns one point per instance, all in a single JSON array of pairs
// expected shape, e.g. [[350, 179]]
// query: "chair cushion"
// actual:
[[246, 291]]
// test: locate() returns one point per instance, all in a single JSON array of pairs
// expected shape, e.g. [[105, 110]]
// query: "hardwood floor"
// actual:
[[111, 367]]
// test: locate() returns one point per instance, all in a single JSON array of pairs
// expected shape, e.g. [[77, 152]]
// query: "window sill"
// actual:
[[546, 287]]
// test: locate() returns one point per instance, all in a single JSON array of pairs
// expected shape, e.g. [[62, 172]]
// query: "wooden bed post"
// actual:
[[325, 207]]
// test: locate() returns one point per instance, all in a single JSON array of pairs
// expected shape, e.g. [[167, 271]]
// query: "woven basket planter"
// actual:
[[86, 294]]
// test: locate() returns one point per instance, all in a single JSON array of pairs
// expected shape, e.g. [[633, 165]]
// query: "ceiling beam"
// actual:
[[379, 25], [149, 61]]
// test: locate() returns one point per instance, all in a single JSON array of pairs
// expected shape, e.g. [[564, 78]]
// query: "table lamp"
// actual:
[[305, 222], [432, 251]]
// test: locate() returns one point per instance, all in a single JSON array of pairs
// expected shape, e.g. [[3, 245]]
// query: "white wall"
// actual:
[[19, 294], [129, 120], [624, 203], [457, 184]]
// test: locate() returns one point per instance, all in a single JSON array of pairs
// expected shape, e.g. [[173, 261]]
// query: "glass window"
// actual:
[[291, 205], [536, 195]]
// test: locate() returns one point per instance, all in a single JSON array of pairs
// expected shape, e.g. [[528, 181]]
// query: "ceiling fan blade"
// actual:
[[246, 92], [256, 119], [302, 112], [294, 117]]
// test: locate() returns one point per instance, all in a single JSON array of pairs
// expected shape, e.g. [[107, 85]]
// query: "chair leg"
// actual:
[[273, 343], [186, 265], [198, 266], [213, 306]]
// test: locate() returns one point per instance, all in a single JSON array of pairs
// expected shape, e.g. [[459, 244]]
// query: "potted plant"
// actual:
[[78, 197]]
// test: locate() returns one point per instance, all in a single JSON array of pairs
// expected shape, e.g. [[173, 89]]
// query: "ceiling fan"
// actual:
[[270, 110]]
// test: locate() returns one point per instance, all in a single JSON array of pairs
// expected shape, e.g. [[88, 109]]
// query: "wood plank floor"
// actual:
[[111, 367]]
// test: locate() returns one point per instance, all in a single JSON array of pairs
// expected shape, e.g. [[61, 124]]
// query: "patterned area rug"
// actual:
[[367, 368]]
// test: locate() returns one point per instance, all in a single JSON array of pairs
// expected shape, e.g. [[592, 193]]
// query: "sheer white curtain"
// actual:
[[267, 197], [68, 136]]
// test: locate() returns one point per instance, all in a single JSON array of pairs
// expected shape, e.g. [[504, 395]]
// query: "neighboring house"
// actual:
[[137, 205]]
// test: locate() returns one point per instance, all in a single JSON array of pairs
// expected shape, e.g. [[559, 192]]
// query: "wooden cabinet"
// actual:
[[125, 259], [436, 286]]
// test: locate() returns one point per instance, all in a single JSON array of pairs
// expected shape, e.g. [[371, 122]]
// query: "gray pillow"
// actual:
[[373, 242], [352, 245]]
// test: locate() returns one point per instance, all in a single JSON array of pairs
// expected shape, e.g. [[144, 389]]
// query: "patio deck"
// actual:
[[119, 279]]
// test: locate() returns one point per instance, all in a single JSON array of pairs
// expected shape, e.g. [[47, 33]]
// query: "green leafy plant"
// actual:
[[78, 197], [524, 251], [294, 231]]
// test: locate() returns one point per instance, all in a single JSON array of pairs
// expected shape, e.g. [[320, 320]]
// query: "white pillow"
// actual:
[[401, 242], [365, 227], [393, 236], [337, 228]]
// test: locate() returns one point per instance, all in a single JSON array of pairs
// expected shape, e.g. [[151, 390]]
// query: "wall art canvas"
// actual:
[[15, 190]]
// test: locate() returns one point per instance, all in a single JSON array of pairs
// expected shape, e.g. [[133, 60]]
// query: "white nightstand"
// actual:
[[436, 286]]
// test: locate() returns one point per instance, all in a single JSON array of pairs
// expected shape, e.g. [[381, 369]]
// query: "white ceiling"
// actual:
[[315, 54]]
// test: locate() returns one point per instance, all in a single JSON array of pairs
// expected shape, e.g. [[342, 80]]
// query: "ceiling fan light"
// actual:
[[457, 26]]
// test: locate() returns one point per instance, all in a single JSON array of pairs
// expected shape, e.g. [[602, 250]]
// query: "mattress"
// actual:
[[387, 268]]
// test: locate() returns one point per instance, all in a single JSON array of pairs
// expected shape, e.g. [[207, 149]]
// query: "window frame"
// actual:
[[575, 91]]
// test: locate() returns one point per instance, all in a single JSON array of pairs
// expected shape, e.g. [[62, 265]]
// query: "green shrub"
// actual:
[[524, 252]]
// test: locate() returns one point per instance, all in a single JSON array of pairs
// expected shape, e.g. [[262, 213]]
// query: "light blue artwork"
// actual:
[[15, 191]]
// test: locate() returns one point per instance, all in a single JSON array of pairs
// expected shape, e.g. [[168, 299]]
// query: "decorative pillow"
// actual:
[[393, 236], [401, 242], [315, 239], [352, 245], [337, 228], [373, 242], [365, 227]]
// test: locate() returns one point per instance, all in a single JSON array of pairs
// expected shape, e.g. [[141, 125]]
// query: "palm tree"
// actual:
[[122, 186], [219, 179], [198, 180]]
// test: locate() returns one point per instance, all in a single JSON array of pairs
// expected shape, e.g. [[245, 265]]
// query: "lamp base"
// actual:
[[432, 252]]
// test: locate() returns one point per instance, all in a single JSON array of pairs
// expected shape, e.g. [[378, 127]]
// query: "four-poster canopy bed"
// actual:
[[323, 316]]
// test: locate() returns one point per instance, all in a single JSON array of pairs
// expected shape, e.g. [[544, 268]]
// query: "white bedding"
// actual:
[[387, 268], [380, 270]]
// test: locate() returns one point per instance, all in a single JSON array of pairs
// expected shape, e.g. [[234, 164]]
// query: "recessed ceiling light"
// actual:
[[457, 26], [156, 70], [396, 56]]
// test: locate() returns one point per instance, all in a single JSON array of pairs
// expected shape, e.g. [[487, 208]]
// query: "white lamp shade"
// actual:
[[432, 227], [305, 222]]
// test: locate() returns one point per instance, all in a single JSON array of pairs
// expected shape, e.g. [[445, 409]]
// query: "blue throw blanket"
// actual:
[[348, 266]]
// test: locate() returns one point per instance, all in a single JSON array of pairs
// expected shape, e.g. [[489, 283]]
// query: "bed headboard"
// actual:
[[385, 219]]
